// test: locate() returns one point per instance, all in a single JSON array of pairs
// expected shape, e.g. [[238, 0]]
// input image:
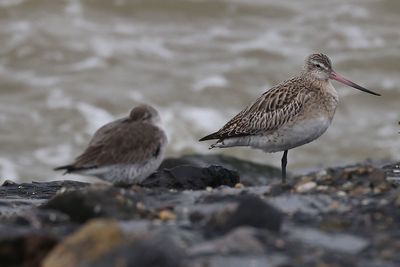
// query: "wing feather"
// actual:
[[122, 143], [270, 111]]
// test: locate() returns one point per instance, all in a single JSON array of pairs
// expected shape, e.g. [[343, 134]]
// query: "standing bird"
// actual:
[[290, 114], [124, 151]]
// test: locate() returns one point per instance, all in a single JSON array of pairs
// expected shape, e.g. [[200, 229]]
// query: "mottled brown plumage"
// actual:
[[290, 114], [279, 105], [124, 150]]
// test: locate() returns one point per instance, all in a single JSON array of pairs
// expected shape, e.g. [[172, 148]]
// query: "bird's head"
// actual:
[[144, 113], [319, 67]]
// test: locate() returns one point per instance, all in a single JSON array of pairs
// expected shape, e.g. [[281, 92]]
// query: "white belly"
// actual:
[[285, 138], [126, 174]]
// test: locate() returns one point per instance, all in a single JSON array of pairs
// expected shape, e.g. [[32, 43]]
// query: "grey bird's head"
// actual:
[[319, 67], [144, 113]]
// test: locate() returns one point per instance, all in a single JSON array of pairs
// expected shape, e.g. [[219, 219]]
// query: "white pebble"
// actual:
[[306, 187]]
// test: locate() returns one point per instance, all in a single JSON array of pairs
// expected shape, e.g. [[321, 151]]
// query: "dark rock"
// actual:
[[97, 201], [24, 246], [250, 173], [158, 251], [249, 211], [36, 190], [192, 178], [240, 240], [90, 242], [344, 216]]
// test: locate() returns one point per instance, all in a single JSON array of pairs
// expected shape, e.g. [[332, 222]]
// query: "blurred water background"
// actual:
[[68, 67]]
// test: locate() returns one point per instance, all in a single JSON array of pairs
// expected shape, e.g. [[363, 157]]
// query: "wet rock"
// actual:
[[20, 246], [191, 177], [240, 240], [305, 187], [86, 245], [392, 172], [249, 211], [157, 251], [325, 213], [98, 201], [36, 190], [250, 173], [339, 242]]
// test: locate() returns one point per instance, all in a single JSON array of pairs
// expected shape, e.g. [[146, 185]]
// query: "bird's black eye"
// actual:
[[319, 66]]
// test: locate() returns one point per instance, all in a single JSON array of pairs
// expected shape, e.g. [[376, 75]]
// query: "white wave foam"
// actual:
[[354, 11], [388, 84], [74, 7], [105, 48], [136, 96], [57, 99], [272, 41], [210, 81], [203, 118], [181, 121], [8, 3], [89, 63], [30, 77], [8, 170], [151, 46], [102, 47], [126, 29], [356, 38], [54, 155], [95, 117]]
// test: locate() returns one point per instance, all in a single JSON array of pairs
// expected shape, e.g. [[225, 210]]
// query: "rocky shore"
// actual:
[[207, 211]]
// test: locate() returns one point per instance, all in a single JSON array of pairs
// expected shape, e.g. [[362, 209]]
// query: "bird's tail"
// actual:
[[66, 168], [210, 137]]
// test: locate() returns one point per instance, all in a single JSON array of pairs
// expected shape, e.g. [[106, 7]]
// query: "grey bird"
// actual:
[[124, 151], [290, 114]]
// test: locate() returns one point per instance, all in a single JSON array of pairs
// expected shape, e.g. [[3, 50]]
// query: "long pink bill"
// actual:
[[339, 78]]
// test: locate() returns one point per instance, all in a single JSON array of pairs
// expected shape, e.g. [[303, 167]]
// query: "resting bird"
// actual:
[[290, 114], [124, 151]]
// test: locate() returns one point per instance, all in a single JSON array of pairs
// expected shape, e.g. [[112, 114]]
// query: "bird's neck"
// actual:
[[324, 86], [327, 93]]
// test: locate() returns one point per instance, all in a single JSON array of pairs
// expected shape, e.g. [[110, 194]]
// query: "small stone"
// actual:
[[94, 239], [334, 205], [306, 187], [209, 189], [140, 206], [239, 186], [347, 185], [365, 202], [322, 188], [279, 243], [341, 193], [166, 215], [250, 211]]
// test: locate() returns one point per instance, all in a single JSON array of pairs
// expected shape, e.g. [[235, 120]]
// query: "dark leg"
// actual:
[[283, 164]]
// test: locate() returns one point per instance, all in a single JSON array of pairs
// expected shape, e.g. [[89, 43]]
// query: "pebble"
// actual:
[[166, 215], [239, 186], [306, 187], [322, 188]]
